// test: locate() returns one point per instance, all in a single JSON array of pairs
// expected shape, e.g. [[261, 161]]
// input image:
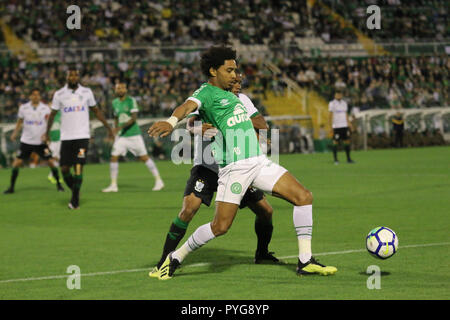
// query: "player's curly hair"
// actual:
[[215, 57]]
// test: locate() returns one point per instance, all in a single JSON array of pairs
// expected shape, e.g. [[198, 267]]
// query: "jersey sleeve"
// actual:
[[248, 104], [193, 114], [47, 110], [20, 114], [56, 102], [330, 106], [200, 97], [91, 99], [134, 105]]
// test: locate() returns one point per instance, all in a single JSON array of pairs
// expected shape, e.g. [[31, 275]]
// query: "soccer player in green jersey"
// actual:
[[202, 184], [129, 138], [241, 163]]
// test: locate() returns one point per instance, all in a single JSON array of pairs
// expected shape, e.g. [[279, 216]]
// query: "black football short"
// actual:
[[203, 183], [27, 149], [340, 134], [74, 152], [252, 195]]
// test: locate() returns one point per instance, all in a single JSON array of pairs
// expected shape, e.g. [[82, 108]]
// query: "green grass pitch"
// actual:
[[116, 238]]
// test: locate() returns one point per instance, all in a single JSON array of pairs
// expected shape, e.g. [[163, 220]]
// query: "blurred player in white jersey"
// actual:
[[340, 125], [74, 102], [33, 117]]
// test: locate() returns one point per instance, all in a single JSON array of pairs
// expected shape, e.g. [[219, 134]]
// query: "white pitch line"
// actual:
[[205, 264]]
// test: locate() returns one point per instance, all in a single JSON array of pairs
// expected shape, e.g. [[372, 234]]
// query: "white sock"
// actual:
[[114, 171], [303, 226], [152, 167], [200, 237]]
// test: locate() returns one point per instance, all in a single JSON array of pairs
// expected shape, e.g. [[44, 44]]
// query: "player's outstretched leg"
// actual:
[[288, 188], [177, 229], [223, 219]]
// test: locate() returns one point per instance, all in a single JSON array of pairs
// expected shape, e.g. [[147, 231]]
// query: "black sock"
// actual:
[[347, 151], [176, 233], [77, 181], [335, 152], [68, 179], [14, 174], [264, 230], [55, 175]]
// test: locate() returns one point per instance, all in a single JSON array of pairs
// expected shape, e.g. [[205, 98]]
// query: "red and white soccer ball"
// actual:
[[382, 242]]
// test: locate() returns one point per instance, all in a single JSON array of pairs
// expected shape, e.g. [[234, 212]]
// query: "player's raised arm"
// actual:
[[99, 114], [164, 128]]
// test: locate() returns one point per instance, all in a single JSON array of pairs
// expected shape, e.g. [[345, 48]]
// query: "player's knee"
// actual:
[[219, 229], [187, 214], [268, 211], [303, 198]]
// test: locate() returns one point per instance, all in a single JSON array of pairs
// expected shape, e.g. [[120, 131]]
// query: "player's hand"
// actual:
[[111, 134], [208, 130], [13, 137], [160, 129], [45, 138]]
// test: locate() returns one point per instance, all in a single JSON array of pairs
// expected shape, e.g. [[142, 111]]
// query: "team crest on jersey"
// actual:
[[224, 102], [82, 153], [199, 185]]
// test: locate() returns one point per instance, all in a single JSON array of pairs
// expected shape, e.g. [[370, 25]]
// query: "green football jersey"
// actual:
[[122, 111], [236, 139], [55, 132]]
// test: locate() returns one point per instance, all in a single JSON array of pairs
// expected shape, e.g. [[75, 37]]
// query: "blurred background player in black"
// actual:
[[398, 126]]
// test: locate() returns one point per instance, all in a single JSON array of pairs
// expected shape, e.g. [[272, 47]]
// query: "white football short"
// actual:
[[235, 178], [55, 148], [134, 144]]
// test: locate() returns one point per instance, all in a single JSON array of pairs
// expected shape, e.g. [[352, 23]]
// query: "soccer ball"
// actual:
[[382, 242]]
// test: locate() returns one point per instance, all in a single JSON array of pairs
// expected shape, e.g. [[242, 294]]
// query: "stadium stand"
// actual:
[[299, 51]]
